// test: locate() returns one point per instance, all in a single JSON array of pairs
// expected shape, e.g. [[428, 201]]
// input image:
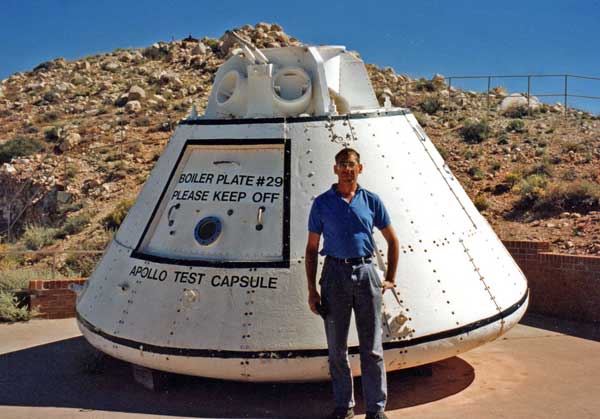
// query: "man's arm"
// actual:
[[312, 259], [392, 258]]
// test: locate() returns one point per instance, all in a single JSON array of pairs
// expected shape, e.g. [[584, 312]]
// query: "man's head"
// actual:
[[347, 165]]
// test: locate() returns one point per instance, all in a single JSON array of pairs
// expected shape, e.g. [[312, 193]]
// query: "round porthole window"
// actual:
[[207, 230]]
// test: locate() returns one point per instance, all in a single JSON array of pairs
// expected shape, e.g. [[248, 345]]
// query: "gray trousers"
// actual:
[[345, 287]]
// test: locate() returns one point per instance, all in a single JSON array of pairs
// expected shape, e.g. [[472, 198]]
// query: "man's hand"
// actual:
[[313, 300], [388, 285]]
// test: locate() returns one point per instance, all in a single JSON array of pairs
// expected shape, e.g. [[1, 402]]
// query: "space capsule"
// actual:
[[206, 274]]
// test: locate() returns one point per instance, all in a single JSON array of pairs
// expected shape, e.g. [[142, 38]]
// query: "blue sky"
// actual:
[[419, 38]]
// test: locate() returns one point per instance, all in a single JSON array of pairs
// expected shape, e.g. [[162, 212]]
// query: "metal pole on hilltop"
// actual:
[[487, 111], [528, 95], [566, 87], [449, 95]]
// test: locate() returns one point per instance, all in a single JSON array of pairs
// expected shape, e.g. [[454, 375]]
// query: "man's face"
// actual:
[[347, 169]]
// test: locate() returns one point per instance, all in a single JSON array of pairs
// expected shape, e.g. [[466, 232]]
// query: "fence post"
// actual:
[[528, 94], [566, 77], [487, 111]]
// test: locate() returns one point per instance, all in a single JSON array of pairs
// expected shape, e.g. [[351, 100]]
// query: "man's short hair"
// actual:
[[344, 153]]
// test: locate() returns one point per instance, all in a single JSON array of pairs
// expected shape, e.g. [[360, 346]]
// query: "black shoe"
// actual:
[[342, 413], [376, 415]]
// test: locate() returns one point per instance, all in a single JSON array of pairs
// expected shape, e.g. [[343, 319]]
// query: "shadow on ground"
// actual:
[[71, 374], [590, 331]]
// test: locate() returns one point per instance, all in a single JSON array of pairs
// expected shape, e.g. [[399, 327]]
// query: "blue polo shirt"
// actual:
[[347, 227]]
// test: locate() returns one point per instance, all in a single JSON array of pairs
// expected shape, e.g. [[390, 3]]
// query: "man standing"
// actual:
[[346, 215]]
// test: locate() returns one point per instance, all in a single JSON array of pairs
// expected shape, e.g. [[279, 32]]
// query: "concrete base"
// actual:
[[532, 372]]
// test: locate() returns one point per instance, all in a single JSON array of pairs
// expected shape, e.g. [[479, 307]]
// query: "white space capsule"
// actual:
[[206, 274]]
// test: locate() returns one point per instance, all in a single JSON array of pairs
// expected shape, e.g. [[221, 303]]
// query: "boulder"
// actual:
[[82, 65], [516, 100], [111, 66], [133, 106], [136, 93], [70, 141], [199, 49]]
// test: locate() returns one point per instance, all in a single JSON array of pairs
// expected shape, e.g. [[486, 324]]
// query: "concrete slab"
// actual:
[[47, 370]]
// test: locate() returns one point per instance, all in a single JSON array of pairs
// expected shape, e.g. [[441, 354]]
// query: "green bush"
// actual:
[[543, 168], [580, 196], [431, 105], [212, 43], [474, 132], [481, 203], [516, 125], [10, 309], [512, 178], [53, 133], [82, 264], [495, 165], [531, 189], [502, 139], [517, 111], [73, 225], [113, 220], [17, 278], [19, 147], [36, 237], [476, 173], [424, 85]]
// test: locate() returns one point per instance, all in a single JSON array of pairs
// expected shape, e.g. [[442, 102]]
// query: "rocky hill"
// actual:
[[80, 137]]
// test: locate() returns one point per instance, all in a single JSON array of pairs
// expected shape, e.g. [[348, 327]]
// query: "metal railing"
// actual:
[[565, 94]]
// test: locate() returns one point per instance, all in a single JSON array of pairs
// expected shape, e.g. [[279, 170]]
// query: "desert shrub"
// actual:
[[51, 96], [443, 152], [71, 170], [11, 310], [530, 189], [82, 264], [424, 85], [53, 133], [543, 168], [142, 122], [495, 165], [17, 278], [212, 43], [517, 111], [472, 154], [421, 118], [516, 125], [503, 139], [481, 203], [36, 237], [476, 173], [113, 220], [580, 196], [512, 178], [474, 132], [19, 147], [431, 105], [73, 225], [573, 146], [50, 116]]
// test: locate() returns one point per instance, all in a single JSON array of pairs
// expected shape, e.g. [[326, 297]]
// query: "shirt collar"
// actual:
[[333, 190]]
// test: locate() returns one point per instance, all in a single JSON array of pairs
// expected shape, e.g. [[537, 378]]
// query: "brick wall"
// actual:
[[52, 298], [563, 286]]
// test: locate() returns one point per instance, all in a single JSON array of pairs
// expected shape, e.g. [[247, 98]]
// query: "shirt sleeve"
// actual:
[[315, 224], [381, 218]]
